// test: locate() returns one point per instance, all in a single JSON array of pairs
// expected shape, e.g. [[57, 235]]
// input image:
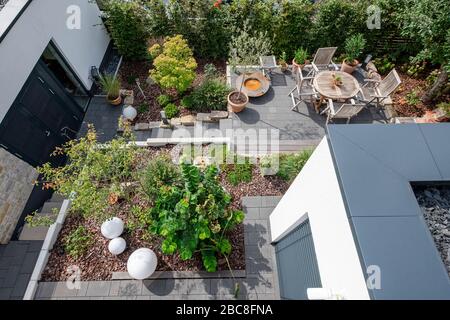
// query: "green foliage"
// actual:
[[292, 164], [188, 102], [159, 22], [160, 172], [384, 65], [110, 85], [211, 94], [127, 23], [239, 171], [142, 108], [335, 21], [413, 98], [92, 172], [78, 242], [354, 47], [300, 56], [163, 100], [175, 66], [246, 46], [139, 219], [445, 106], [171, 110], [292, 25], [195, 216]]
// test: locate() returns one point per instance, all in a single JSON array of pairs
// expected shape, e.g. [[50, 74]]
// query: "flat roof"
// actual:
[[375, 166]]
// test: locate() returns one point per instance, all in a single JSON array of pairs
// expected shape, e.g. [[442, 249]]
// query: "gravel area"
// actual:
[[435, 204]]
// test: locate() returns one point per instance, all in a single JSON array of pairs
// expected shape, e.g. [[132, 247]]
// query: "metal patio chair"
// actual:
[[377, 91], [302, 90], [345, 111], [268, 64], [323, 59]]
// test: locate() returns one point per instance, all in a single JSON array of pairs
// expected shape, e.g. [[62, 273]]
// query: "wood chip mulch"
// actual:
[[98, 264]]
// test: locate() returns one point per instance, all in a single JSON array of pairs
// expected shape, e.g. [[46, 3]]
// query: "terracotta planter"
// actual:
[[237, 106], [283, 66], [115, 102], [349, 68], [297, 66]]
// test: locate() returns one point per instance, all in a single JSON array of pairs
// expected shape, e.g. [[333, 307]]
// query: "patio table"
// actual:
[[323, 83]]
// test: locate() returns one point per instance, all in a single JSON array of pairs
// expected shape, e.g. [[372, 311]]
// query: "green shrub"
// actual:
[[188, 102], [163, 100], [160, 172], [291, 164], [384, 65], [210, 95], [300, 56], [143, 107], [171, 110], [127, 24], [240, 171], [413, 98], [175, 66], [195, 217], [445, 106], [78, 242]]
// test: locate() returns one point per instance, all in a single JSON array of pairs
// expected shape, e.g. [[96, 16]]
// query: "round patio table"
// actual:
[[323, 83]]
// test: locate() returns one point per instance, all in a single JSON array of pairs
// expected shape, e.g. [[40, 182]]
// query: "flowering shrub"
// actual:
[[175, 66]]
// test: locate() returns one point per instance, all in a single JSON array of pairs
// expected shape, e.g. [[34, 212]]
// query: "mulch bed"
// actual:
[[98, 264], [130, 70]]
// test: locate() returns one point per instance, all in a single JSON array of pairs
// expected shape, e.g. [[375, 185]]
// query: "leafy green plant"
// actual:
[[291, 164], [110, 85], [160, 172], [171, 110], [175, 66], [240, 171], [195, 217], [445, 106], [413, 98], [211, 94], [384, 65], [78, 242], [188, 102], [142, 108], [353, 48], [127, 23], [300, 56], [140, 219], [92, 173], [163, 100], [269, 164]]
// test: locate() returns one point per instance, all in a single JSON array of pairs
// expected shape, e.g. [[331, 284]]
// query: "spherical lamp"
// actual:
[[112, 228], [116, 246], [129, 113], [142, 263]]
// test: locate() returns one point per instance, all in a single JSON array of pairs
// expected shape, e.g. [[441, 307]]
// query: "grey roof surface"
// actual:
[[375, 166]]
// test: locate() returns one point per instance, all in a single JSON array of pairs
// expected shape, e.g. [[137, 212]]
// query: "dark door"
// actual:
[[297, 263], [42, 118]]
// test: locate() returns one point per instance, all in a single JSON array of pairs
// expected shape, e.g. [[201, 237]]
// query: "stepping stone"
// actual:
[[218, 115], [204, 117], [175, 121], [154, 124], [143, 126], [188, 120], [129, 100]]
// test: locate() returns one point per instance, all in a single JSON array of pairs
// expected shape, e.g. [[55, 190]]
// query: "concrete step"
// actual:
[[51, 206], [57, 198], [33, 233]]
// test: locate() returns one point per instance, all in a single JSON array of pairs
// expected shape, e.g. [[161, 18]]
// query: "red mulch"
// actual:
[[130, 70], [98, 263]]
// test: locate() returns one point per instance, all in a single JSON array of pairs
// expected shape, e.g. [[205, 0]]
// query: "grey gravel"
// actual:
[[435, 205]]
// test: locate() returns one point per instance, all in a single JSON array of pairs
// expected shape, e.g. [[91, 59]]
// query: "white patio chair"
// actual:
[[268, 64], [377, 91], [323, 59], [345, 111], [302, 90]]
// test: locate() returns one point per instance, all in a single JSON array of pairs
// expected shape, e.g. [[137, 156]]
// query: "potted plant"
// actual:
[[245, 49], [353, 49], [283, 62], [111, 86], [300, 59], [337, 80]]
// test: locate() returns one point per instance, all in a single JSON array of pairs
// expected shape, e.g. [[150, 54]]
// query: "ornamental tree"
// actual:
[[175, 66]]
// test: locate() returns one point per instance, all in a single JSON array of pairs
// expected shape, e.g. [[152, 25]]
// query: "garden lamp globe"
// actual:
[[142, 264], [129, 113], [117, 246], [112, 228]]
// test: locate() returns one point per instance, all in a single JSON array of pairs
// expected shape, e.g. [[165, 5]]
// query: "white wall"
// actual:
[[315, 194], [43, 20]]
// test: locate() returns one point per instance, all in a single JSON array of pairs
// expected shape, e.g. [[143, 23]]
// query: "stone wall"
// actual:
[[16, 184]]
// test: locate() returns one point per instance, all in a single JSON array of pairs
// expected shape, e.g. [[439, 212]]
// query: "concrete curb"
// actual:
[[49, 242], [185, 275]]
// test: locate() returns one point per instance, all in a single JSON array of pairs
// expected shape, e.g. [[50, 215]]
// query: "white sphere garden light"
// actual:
[[116, 246], [130, 113], [112, 228], [142, 264]]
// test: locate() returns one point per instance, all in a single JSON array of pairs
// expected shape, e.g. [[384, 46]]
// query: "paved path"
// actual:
[[17, 260], [260, 281]]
